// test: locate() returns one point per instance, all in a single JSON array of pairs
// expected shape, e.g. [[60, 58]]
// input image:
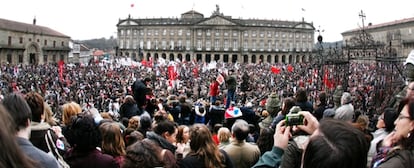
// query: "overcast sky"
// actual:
[[88, 19]]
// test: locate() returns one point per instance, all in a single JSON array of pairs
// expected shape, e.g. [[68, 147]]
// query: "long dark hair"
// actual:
[[203, 146]]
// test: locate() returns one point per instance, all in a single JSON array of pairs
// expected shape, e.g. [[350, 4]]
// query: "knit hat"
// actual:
[[273, 104]]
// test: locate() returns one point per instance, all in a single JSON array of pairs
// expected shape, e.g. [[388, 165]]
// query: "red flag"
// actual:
[[171, 72], [150, 62], [328, 83], [195, 71], [60, 66], [132, 5], [220, 79], [290, 68], [143, 62], [275, 70]]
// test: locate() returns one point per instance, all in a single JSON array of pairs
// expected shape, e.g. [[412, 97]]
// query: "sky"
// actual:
[[90, 19]]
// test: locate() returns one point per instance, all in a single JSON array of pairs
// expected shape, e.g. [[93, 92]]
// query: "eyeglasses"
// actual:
[[400, 117]]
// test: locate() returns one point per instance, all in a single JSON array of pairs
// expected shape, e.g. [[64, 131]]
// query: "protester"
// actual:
[[204, 153], [85, 137], [242, 153], [398, 146], [143, 154], [12, 156], [20, 111], [333, 143]]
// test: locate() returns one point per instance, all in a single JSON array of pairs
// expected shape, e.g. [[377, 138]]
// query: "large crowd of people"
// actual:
[[195, 114]]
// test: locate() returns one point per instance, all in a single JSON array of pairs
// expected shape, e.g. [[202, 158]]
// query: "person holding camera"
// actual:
[[333, 143]]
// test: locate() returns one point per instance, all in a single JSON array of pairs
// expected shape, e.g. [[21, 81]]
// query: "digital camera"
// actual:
[[293, 118]]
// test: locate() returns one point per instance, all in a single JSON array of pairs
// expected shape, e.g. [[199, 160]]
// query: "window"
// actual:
[[156, 44], [208, 45], [188, 32], [269, 34], [217, 33], [235, 33], [164, 32], [141, 32], [208, 32], [199, 32], [261, 34], [235, 45], [54, 58], [180, 32], [134, 44], [62, 57], [226, 44], [188, 44], [180, 43], [172, 44], [122, 32], [128, 44], [45, 58], [253, 33], [254, 44], [217, 44], [21, 40], [54, 44], [135, 32], [121, 44], [245, 44], [148, 44], [63, 43], [9, 58], [163, 44], [156, 32], [45, 43], [149, 32], [9, 41], [246, 33], [226, 33], [199, 44], [261, 45], [269, 45], [128, 32], [20, 58], [171, 32]]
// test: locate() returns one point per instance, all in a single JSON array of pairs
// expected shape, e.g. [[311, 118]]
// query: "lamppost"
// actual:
[[321, 59]]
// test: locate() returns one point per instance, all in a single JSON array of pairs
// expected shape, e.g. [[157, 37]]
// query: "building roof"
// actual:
[[192, 12], [28, 28], [392, 23], [98, 53]]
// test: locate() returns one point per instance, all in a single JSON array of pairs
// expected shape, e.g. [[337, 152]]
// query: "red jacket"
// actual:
[[214, 88]]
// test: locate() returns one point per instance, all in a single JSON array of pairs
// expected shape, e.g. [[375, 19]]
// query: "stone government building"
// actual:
[[22, 43], [218, 37]]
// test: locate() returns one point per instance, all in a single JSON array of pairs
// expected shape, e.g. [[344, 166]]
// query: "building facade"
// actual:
[[80, 53], [391, 39], [22, 43], [215, 38]]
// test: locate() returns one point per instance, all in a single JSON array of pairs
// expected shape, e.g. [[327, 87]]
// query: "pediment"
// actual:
[[304, 26], [127, 23], [217, 21]]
